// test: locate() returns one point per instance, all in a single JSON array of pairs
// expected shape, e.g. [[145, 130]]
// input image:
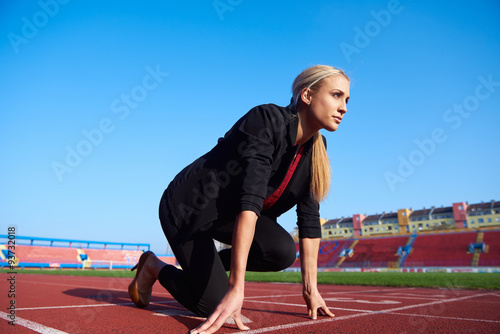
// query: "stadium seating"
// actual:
[[71, 257], [492, 255], [375, 252], [112, 257], [329, 252], [120, 258], [446, 249], [425, 250], [45, 256]]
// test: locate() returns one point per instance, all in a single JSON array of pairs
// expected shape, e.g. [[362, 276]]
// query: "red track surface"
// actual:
[[57, 304]]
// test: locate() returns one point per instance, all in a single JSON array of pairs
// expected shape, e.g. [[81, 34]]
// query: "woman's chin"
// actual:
[[331, 128]]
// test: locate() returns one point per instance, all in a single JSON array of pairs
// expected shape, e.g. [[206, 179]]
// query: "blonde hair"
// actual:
[[312, 78]]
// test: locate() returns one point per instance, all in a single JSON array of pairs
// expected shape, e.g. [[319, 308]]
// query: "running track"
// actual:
[[65, 304]]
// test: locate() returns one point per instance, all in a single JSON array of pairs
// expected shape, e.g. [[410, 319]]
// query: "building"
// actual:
[[460, 215], [483, 214]]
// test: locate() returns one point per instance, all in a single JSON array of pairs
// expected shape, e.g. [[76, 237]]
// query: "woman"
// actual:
[[272, 159]]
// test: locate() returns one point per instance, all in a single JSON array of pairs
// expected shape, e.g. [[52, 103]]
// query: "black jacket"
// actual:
[[244, 168]]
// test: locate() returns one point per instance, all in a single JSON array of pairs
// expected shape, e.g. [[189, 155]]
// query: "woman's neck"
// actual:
[[304, 130]]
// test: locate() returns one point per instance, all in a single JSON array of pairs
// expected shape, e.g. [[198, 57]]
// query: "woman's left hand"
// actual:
[[315, 304]]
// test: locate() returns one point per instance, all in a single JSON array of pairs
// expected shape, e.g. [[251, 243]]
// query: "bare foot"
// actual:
[[149, 273]]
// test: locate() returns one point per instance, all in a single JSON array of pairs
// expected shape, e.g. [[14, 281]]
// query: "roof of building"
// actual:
[[374, 217], [480, 206], [445, 209], [331, 222], [390, 215], [423, 212]]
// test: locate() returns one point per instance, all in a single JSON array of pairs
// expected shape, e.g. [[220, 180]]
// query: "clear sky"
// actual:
[[104, 102]]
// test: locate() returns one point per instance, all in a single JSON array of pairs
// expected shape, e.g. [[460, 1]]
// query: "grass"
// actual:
[[489, 281]]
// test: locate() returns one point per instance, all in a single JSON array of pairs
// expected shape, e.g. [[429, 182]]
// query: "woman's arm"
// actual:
[[309, 248], [232, 302]]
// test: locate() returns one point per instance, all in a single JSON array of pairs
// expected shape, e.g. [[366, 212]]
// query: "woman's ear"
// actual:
[[306, 95]]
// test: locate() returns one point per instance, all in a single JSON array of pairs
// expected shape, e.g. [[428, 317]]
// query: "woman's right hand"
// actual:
[[230, 306]]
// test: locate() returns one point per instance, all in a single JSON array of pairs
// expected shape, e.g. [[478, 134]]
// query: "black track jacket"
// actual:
[[244, 168]]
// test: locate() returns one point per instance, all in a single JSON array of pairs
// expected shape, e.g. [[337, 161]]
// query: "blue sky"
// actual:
[[104, 102]]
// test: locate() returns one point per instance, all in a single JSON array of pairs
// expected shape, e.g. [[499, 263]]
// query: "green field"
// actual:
[[397, 279], [434, 280]]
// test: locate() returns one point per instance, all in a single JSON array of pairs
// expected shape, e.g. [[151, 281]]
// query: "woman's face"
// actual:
[[328, 105]]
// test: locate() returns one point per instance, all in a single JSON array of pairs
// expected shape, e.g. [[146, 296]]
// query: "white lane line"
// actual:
[[339, 293], [300, 324], [323, 293], [34, 326], [361, 301], [392, 295], [86, 305], [316, 322], [410, 298], [355, 291], [304, 306], [412, 295], [275, 303], [448, 318]]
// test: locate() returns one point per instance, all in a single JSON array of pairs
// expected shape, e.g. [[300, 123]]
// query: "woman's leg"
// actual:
[[273, 248], [202, 282]]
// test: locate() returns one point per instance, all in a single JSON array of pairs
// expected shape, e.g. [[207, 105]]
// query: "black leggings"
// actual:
[[203, 282]]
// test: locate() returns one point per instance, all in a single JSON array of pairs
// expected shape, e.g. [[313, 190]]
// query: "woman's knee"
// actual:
[[292, 253], [285, 254]]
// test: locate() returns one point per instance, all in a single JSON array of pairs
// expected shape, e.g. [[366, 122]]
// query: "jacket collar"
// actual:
[[293, 125]]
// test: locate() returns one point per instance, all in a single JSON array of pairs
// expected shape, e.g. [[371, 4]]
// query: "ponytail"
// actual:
[[320, 169]]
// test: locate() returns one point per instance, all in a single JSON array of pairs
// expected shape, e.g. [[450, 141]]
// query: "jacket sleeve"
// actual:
[[308, 217], [256, 135]]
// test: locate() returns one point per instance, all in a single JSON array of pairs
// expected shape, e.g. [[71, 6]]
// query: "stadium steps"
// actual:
[[475, 258], [477, 252], [480, 237], [342, 259], [83, 258], [409, 245]]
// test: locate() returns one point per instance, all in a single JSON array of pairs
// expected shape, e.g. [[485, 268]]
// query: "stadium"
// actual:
[[455, 241], [133, 131], [462, 237]]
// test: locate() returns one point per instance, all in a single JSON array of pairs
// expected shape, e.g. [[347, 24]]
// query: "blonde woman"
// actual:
[[272, 159]]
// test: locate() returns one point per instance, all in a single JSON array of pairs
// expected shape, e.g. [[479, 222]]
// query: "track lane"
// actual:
[[100, 305]]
